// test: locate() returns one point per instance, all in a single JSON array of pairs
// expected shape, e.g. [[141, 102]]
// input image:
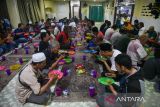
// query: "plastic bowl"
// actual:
[[15, 67], [55, 72]]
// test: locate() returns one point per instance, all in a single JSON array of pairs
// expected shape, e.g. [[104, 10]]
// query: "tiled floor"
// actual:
[[8, 99]]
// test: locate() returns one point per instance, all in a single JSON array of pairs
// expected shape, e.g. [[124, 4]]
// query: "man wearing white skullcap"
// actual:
[[31, 86]]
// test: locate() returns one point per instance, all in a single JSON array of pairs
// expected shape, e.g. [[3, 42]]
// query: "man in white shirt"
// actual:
[[106, 50], [142, 29], [115, 37], [72, 24], [136, 51], [42, 24], [109, 32]]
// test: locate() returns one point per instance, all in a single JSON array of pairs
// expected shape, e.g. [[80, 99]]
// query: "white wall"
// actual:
[[62, 9], [59, 9], [148, 20]]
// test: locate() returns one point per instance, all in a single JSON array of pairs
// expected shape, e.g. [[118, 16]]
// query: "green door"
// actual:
[[96, 13]]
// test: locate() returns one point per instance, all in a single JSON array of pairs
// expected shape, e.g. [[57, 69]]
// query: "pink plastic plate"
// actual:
[[55, 72], [2, 68]]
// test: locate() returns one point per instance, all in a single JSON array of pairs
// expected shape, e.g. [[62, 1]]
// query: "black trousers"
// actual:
[[39, 99]]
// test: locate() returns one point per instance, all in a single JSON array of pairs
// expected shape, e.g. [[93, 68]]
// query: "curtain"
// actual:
[[29, 10], [96, 13], [80, 14], [3, 10]]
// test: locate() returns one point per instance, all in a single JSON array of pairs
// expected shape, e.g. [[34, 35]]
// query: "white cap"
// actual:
[[72, 24], [52, 24], [30, 22], [43, 31], [38, 57]]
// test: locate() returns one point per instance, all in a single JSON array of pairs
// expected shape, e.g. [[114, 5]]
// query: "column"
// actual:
[[13, 12]]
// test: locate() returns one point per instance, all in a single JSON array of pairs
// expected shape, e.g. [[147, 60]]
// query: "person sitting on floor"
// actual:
[[152, 64], [9, 40], [105, 26], [122, 43], [98, 34], [109, 32], [142, 29], [2, 44], [106, 50], [44, 43], [136, 50], [31, 87], [131, 82], [52, 57], [50, 30], [63, 38], [152, 34], [19, 34], [136, 27]]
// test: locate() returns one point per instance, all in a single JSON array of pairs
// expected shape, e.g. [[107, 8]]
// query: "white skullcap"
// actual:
[[38, 57], [72, 24], [43, 31], [52, 24], [30, 22]]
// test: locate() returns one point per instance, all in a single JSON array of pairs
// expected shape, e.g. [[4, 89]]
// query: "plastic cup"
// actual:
[[65, 92], [92, 91], [27, 51], [15, 51], [20, 60], [22, 45], [73, 59], [58, 91], [84, 57], [94, 73], [3, 58], [8, 71]]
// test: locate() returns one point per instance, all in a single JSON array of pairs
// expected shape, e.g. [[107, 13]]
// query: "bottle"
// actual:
[[92, 90], [27, 51], [8, 71], [22, 45], [73, 59], [15, 51], [3, 58], [94, 73], [69, 72], [65, 92], [84, 57], [58, 91], [20, 60], [65, 73]]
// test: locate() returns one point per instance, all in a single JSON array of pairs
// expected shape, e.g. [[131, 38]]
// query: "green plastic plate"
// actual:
[[68, 60], [101, 58], [106, 80]]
